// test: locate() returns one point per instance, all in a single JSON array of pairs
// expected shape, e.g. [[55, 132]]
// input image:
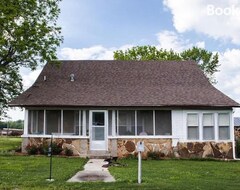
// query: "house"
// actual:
[[106, 107]]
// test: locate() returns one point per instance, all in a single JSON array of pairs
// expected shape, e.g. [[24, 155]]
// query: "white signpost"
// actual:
[[140, 149]]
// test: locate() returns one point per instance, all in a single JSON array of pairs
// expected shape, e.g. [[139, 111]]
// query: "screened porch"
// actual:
[[120, 123]]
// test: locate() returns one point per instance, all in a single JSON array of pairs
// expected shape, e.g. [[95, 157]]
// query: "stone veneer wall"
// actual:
[[164, 147], [126, 147], [79, 147]]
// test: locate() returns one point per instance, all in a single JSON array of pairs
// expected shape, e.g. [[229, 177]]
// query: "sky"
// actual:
[[93, 29]]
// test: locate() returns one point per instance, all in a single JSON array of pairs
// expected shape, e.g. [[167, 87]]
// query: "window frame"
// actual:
[[195, 126], [229, 127], [215, 115], [213, 126]]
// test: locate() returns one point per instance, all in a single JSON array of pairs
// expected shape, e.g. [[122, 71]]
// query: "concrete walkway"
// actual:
[[93, 171]]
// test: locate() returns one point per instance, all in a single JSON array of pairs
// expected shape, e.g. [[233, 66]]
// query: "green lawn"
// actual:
[[31, 172], [9, 143]]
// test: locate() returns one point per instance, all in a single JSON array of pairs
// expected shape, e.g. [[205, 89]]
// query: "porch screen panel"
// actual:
[[70, 122], [35, 122], [53, 121], [87, 122], [126, 122], [224, 126], [110, 123], [163, 122], [145, 122]]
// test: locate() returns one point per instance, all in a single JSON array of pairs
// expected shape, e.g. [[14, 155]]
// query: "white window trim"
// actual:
[[216, 127]]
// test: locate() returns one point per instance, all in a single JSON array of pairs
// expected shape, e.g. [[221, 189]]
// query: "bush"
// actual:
[[68, 151], [32, 149], [238, 148], [43, 149], [153, 155], [56, 148]]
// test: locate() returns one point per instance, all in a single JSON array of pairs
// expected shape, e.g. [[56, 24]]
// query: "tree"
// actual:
[[206, 60], [29, 36]]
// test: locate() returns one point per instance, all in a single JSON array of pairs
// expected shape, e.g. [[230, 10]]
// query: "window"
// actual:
[[192, 127], [145, 122], [126, 122], [224, 126], [163, 122], [35, 121], [208, 127]]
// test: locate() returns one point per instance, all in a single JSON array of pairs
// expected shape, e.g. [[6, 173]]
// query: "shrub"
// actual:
[[68, 151], [153, 155], [56, 148], [43, 149], [31, 149], [238, 148]]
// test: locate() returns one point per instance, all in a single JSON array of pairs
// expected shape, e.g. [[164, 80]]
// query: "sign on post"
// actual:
[[140, 149]]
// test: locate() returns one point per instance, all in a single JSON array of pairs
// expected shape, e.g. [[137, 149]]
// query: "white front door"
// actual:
[[98, 123]]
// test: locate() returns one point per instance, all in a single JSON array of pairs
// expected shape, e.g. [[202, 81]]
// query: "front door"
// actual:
[[98, 130]]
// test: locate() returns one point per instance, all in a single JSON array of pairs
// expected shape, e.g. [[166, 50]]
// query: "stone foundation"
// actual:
[[127, 147], [163, 147], [79, 147], [205, 150]]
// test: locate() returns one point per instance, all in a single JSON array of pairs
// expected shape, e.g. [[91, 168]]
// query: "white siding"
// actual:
[[178, 126]]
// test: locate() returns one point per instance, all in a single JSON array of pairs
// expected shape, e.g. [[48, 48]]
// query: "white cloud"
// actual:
[[92, 53], [171, 40], [228, 78], [217, 19], [29, 77]]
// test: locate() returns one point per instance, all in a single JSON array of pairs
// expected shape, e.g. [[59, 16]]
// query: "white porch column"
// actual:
[[113, 123], [84, 123], [25, 132]]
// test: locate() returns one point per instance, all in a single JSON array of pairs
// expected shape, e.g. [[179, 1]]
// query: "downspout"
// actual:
[[234, 141]]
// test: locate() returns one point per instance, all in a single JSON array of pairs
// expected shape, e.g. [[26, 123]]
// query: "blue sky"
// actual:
[[112, 22], [93, 29]]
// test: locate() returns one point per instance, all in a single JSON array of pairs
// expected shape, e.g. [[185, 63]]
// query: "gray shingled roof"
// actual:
[[123, 83]]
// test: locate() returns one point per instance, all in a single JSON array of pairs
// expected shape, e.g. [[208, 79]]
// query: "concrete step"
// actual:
[[98, 154]]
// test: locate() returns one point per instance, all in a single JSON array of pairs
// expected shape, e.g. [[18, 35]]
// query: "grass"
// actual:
[[9, 143], [31, 172], [181, 174]]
